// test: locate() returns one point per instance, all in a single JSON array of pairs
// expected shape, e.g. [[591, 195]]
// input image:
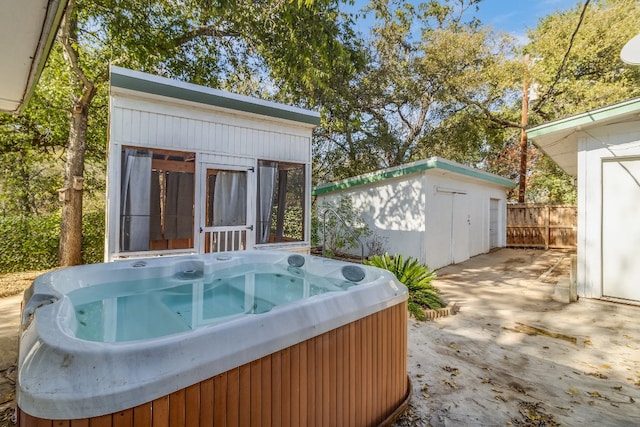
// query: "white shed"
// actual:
[[435, 210], [602, 149], [192, 169]]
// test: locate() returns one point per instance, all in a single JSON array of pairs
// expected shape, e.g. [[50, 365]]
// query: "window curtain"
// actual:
[[230, 199], [155, 225], [135, 206], [179, 206], [266, 186]]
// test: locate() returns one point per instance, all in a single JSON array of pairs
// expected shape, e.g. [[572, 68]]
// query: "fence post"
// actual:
[[547, 227]]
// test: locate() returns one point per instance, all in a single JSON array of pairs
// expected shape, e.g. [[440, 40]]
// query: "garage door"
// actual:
[[621, 228]]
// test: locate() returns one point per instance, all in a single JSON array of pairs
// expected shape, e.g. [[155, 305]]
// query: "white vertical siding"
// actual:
[[612, 141], [139, 122], [415, 219], [219, 137]]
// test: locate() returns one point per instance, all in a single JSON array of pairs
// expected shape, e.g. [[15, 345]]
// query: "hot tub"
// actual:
[[240, 338]]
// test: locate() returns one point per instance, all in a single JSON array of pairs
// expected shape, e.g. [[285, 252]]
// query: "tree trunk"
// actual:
[[70, 249]]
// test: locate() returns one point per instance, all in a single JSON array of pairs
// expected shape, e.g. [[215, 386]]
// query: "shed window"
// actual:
[[156, 199], [281, 195]]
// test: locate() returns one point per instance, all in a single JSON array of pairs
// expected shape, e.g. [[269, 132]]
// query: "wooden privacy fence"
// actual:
[[542, 226]]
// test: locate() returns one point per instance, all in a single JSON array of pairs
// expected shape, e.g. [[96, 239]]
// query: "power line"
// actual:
[[564, 59]]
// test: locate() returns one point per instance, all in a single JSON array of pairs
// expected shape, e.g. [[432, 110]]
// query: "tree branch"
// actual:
[[68, 30], [491, 117], [202, 31], [549, 92]]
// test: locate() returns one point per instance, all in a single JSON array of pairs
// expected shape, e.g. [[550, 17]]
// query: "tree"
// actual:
[[437, 85], [438, 95], [295, 47], [576, 67], [577, 64], [30, 146]]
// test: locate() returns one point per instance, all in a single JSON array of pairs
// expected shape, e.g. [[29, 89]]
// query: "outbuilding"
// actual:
[[435, 210], [601, 148], [194, 170]]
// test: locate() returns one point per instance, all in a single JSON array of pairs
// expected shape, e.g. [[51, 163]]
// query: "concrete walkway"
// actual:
[[513, 356], [9, 328], [9, 316]]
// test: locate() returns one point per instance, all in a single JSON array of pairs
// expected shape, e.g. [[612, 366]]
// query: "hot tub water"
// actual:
[[151, 308]]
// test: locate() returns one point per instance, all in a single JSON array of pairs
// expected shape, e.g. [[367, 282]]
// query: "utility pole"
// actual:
[[523, 133]]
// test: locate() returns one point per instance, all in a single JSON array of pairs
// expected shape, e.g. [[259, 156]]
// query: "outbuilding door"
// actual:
[[621, 228], [452, 223], [228, 215], [494, 221]]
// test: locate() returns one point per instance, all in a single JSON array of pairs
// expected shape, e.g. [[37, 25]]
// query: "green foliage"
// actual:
[[455, 90], [550, 184], [293, 222], [31, 242], [28, 182], [341, 236], [416, 277], [592, 75], [431, 83], [28, 243], [93, 235]]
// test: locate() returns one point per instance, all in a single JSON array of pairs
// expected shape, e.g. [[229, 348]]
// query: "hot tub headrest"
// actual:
[[296, 260], [353, 273]]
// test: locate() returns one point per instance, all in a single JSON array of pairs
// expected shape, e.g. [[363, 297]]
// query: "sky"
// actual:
[[515, 16], [511, 16]]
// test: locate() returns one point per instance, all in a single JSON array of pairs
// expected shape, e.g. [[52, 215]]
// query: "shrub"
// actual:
[[93, 224], [416, 277], [31, 242], [341, 237]]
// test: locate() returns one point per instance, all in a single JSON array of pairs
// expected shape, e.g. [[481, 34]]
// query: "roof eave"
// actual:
[[412, 168], [49, 28], [548, 135], [161, 86], [588, 118]]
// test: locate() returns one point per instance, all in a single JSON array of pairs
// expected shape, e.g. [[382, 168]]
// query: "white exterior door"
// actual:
[[227, 209], [451, 228], [460, 226], [494, 215], [621, 228]]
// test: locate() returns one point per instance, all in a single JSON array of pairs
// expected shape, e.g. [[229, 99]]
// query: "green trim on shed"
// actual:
[[411, 168], [588, 118], [155, 85]]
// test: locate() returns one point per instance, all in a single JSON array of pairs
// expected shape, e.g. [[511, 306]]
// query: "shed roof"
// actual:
[[412, 168], [559, 139], [27, 32], [162, 86]]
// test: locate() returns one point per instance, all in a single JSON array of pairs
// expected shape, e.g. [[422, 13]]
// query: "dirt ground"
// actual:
[[510, 356], [514, 356]]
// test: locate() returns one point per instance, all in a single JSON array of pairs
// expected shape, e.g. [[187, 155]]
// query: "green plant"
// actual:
[[416, 277], [93, 228], [31, 242], [28, 242], [343, 230]]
